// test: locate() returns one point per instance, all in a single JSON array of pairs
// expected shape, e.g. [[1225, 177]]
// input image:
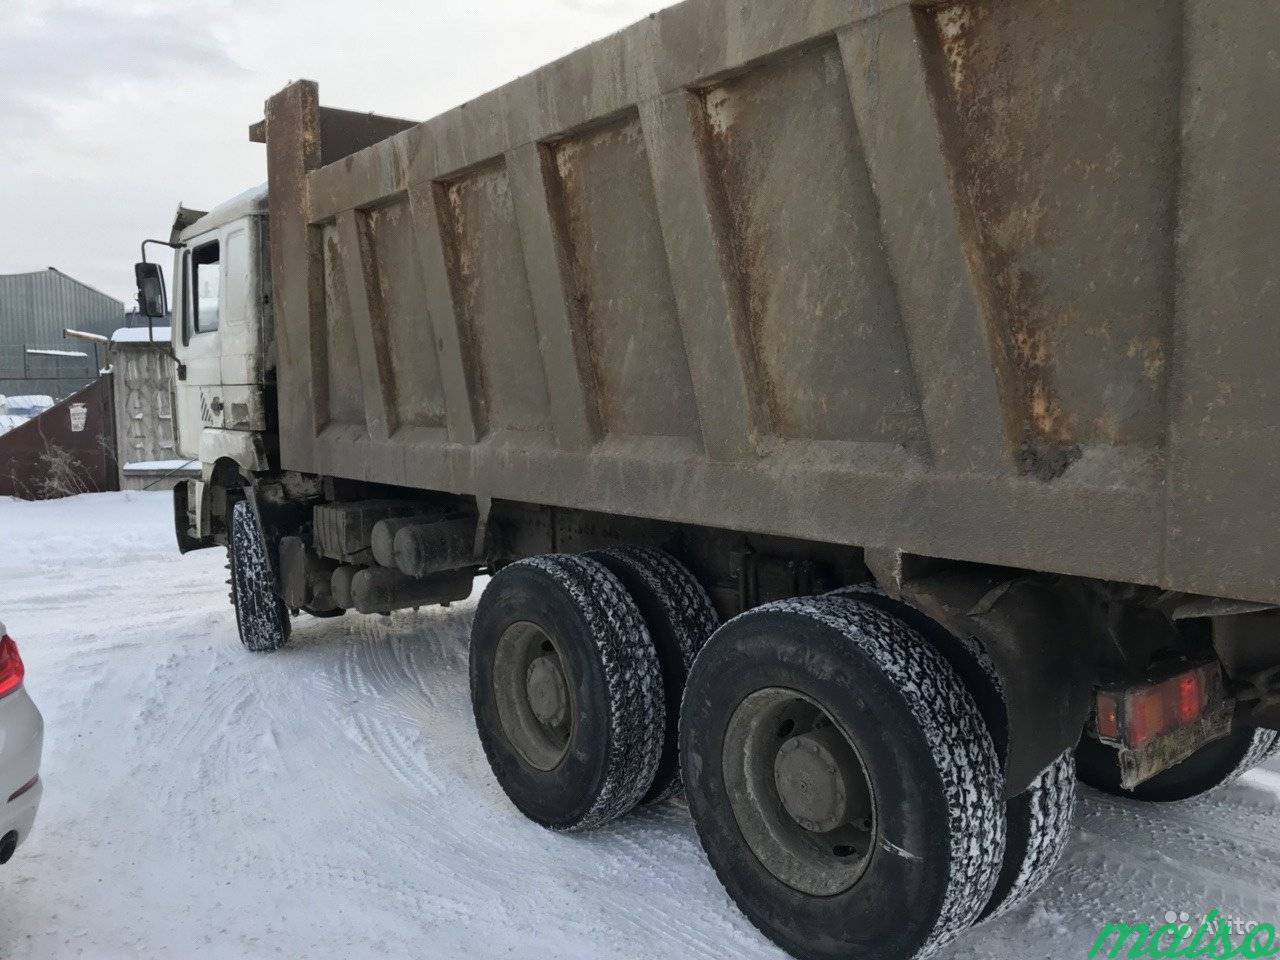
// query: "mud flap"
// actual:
[[1043, 647], [188, 542], [278, 516]]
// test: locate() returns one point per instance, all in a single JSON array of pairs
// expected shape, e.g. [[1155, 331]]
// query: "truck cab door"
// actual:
[[216, 335]]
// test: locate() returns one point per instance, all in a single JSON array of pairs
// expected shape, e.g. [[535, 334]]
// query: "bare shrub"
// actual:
[[64, 475]]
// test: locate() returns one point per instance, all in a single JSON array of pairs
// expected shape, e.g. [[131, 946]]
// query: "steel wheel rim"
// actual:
[[533, 689], [800, 792]]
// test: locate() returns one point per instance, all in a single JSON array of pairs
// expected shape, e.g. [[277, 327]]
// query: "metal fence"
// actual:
[[68, 450]]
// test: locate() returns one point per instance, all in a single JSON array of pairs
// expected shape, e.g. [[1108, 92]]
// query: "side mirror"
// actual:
[[151, 294]]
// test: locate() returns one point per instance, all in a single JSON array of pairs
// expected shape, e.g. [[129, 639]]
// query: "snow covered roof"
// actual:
[[140, 335], [40, 352], [31, 402], [158, 466]]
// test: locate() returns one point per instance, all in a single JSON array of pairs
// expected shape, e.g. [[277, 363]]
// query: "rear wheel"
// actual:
[[1041, 817], [261, 615], [680, 618], [1215, 765], [842, 781], [567, 692]]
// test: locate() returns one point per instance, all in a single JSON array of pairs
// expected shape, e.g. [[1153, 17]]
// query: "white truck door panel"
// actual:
[[217, 334]]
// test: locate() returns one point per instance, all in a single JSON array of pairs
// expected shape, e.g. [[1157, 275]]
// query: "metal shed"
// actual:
[[34, 310]]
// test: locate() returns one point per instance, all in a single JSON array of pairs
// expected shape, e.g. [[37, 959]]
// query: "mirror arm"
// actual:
[[164, 291]]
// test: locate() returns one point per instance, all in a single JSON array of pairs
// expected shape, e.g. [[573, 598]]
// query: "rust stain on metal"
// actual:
[[749, 263], [376, 295], [1069, 239], [621, 288], [458, 237], [821, 315], [334, 275], [1023, 330], [1150, 351], [954, 23], [576, 232]]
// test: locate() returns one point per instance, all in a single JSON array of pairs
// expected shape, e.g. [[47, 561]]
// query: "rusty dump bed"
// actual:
[[991, 281]]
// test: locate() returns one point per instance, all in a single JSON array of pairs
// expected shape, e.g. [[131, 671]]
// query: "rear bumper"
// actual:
[[21, 746]]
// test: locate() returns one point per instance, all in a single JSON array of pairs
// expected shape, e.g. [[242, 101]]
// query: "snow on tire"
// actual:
[[1042, 817], [680, 618], [1040, 824], [1265, 746], [937, 825], [261, 616], [567, 692]]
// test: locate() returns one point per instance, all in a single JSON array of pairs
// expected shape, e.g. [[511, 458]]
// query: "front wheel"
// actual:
[[261, 616], [842, 781]]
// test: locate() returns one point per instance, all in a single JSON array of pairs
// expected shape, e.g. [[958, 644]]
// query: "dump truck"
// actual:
[[865, 411]]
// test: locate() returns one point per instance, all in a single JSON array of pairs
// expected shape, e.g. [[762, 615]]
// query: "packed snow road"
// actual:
[[332, 800]]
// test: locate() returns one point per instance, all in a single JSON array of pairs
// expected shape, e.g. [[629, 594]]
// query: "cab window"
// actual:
[[206, 287]]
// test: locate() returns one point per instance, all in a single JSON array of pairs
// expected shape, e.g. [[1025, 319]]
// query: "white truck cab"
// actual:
[[223, 338], [223, 327]]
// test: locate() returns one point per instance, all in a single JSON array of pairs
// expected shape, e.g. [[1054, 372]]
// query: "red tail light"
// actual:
[[11, 669], [1191, 697], [1135, 716]]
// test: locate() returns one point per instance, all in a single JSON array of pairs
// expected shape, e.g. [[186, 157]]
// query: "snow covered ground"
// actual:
[[332, 801]]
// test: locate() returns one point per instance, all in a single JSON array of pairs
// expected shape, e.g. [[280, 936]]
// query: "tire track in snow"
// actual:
[[394, 670], [400, 752]]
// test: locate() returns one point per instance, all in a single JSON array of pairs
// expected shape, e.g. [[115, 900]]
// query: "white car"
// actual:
[[21, 742]]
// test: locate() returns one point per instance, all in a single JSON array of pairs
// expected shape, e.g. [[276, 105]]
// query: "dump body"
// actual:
[[987, 281]]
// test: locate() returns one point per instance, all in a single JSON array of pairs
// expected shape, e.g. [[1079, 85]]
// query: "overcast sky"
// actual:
[[114, 111]]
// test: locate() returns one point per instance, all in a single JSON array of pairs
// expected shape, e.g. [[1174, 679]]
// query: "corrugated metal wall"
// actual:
[[35, 307], [34, 310]]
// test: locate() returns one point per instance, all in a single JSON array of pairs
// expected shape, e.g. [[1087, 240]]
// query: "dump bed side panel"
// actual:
[[978, 280]]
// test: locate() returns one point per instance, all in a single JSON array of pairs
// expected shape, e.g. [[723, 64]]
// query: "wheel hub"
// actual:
[[534, 695], [810, 782], [800, 792], [548, 693]]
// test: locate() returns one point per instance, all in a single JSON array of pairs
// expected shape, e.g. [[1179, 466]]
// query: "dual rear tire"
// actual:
[[1041, 818], [843, 775], [842, 780], [578, 664]]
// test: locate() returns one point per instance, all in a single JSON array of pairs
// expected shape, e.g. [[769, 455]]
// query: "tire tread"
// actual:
[[690, 619], [1042, 817], [261, 616]]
